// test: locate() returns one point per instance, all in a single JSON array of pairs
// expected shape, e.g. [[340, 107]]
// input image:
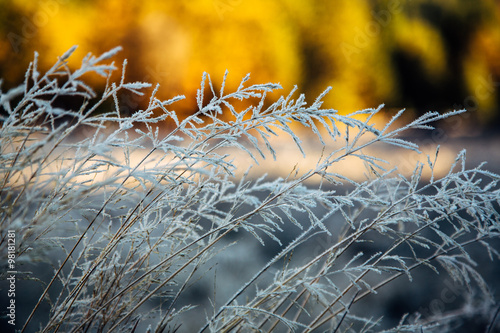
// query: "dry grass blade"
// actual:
[[145, 229]]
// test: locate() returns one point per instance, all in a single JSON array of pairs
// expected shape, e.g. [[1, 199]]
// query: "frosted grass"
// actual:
[[131, 218]]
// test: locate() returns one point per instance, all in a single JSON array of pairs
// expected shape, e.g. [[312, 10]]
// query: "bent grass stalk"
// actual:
[[140, 231]]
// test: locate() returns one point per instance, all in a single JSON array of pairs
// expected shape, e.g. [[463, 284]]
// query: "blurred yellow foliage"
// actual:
[[347, 44], [421, 40]]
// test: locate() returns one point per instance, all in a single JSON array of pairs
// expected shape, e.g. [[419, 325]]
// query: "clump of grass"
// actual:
[[135, 222]]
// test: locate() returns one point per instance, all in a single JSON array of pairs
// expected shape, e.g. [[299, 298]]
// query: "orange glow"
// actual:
[[352, 46]]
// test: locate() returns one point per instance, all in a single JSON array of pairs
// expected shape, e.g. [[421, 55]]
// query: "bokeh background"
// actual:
[[417, 54]]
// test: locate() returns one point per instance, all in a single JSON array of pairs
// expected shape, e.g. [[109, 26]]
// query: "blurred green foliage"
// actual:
[[423, 55]]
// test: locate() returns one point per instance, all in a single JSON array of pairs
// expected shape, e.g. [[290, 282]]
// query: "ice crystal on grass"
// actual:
[[136, 221]]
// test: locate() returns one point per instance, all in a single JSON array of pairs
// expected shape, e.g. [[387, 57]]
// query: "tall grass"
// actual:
[[131, 223]]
